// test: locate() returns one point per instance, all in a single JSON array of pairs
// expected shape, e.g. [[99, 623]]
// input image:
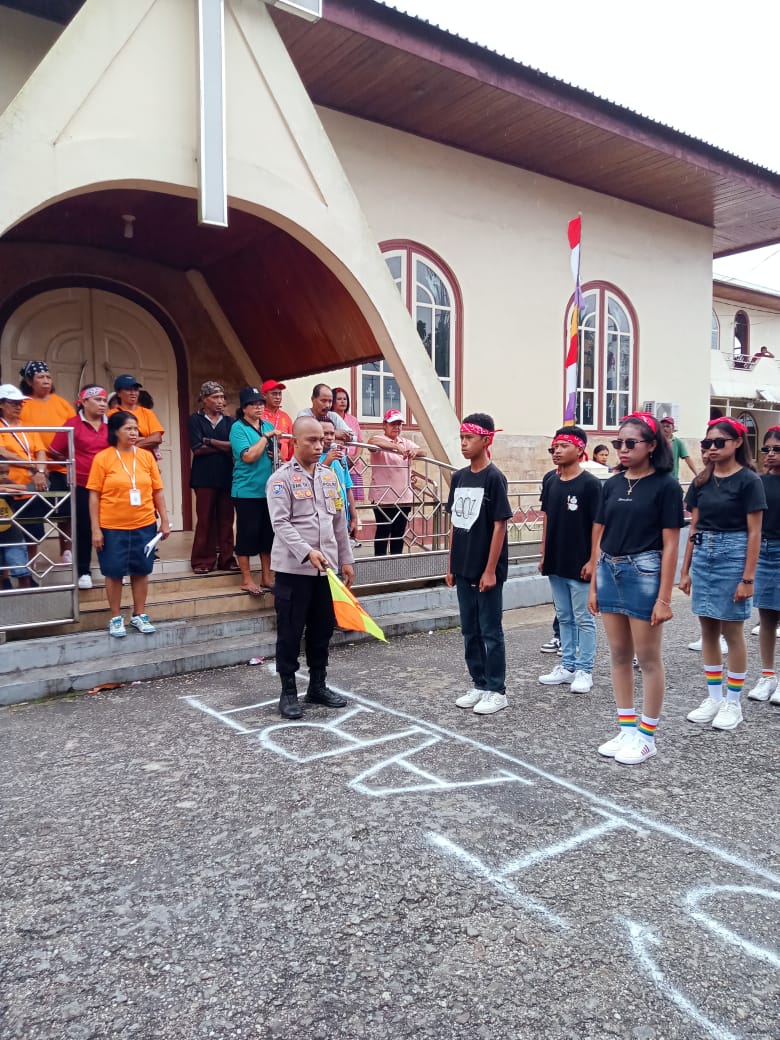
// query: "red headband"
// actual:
[[773, 429], [480, 431], [569, 438], [741, 429], [646, 417], [92, 391]]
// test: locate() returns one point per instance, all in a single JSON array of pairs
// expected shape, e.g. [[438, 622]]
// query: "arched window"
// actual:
[[741, 336], [715, 340], [749, 423], [431, 294], [606, 370]]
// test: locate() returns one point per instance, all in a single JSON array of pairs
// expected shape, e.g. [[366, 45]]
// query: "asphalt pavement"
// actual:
[[179, 863]]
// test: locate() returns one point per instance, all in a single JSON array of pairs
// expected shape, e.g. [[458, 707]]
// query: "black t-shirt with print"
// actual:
[[634, 523], [570, 506], [476, 501], [10, 533], [771, 525], [724, 502]]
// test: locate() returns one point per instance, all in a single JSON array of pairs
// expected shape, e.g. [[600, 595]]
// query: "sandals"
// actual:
[[252, 590]]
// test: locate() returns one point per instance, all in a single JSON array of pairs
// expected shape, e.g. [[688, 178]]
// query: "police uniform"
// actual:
[[307, 512]]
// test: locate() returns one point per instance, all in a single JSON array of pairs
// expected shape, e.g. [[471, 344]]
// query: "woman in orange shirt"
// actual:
[[26, 454], [150, 431], [125, 489], [45, 408]]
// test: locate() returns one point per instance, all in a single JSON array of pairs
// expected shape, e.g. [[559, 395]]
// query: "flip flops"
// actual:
[[252, 590]]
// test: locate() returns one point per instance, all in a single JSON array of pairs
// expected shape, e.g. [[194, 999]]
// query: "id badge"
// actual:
[[135, 497]]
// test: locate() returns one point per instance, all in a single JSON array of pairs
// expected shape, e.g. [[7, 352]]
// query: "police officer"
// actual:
[[310, 534]]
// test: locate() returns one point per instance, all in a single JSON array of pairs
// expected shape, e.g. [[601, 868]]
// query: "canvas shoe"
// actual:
[[635, 752], [611, 747], [468, 700], [763, 689], [85, 581], [583, 682], [116, 627], [706, 711], [552, 646], [696, 645], [142, 623], [557, 677], [729, 716], [490, 702]]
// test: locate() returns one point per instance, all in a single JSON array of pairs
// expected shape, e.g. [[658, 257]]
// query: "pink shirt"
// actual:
[[391, 475], [354, 425]]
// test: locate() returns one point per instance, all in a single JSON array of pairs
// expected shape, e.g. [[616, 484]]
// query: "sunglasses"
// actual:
[[767, 448], [716, 442], [629, 442]]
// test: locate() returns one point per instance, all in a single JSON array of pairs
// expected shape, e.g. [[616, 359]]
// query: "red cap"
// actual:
[[393, 415], [271, 384], [667, 419]]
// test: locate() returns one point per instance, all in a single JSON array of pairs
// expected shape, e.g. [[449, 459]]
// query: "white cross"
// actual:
[[212, 175]]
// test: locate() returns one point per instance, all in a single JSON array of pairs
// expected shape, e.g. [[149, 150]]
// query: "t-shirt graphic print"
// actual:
[[466, 506]]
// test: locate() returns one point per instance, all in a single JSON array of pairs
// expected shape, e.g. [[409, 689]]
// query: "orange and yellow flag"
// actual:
[[349, 613]]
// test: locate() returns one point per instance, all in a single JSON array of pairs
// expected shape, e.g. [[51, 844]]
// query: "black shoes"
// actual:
[[319, 693], [289, 708]]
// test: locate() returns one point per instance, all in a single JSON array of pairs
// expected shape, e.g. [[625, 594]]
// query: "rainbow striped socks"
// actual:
[[647, 728], [714, 673], [734, 684], [627, 719]]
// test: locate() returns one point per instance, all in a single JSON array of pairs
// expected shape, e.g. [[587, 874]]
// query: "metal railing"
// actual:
[[30, 521]]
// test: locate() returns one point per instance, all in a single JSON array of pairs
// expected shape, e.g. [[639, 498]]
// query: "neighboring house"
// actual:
[[745, 356], [374, 166]]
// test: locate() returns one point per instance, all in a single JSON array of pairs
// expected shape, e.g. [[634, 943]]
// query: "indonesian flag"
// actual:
[[572, 353], [349, 613]]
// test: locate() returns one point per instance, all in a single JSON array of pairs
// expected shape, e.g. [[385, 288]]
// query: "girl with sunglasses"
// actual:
[[726, 500], [635, 541], [767, 595]]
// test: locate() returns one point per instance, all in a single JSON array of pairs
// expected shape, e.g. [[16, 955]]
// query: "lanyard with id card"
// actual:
[[135, 494]]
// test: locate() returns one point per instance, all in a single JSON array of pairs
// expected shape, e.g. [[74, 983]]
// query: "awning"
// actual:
[[732, 388], [769, 393]]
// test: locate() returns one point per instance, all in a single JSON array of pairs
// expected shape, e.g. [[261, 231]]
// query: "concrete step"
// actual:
[[43, 667]]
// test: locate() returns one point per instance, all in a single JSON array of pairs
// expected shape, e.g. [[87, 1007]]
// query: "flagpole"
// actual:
[[573, 347]]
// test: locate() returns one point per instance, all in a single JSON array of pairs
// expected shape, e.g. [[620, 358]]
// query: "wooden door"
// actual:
[[92, 336]]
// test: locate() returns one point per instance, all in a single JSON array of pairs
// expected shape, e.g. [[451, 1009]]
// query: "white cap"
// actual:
[[8, 392]]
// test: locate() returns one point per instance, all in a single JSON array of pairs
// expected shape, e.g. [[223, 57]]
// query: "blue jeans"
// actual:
[[481, 615], [578, 626]]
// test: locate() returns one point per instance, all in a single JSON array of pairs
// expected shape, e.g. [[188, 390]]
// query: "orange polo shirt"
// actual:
[[25, 446], [148, 423], [112, 479], [281, 421], [54, 411]]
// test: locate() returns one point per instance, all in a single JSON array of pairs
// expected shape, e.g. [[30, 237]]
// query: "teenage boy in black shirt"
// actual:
[[479, 560], [570, 498]]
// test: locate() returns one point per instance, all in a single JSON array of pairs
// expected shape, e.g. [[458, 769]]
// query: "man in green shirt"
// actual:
[[679, 451]]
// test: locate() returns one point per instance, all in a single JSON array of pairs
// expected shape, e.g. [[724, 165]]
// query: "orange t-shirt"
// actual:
[[148, 423], [111, 476], [281, 421], [54, 411], [24, 445]]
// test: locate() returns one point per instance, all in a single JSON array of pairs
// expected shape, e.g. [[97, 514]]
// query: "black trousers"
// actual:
[[302, 603], [83, 531], [391, 521]]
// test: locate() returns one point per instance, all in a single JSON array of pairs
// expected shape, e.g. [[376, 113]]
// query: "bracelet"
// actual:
[[746, 581], [659, 600]]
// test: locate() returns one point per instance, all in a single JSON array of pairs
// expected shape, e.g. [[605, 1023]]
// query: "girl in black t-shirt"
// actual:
[[727, 500], [767, 594], [636, 538]]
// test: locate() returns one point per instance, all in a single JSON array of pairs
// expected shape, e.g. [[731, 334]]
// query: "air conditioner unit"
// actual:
[[661, 408], [309, 9]]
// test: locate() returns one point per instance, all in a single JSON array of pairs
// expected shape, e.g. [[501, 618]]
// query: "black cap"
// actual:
[[127, 383], [250, 395]]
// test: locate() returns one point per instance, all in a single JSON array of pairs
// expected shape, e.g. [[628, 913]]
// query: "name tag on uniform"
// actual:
[[135, 497]]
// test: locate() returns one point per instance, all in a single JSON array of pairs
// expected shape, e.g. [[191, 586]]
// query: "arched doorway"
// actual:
[[92, 336]]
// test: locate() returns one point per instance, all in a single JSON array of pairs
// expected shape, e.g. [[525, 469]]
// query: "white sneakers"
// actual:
[[756, 629], [484, 702], [557, 677], [583, 682], [729, 716], [142, 623], [85, 581], [763, 689], [696, 645], [116, 627], [722, 714], [706, 711], [578, 681], [629, 747]]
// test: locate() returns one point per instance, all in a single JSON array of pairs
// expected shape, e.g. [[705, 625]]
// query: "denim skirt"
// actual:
[[629, 584], [123, 552], [767, 594], [717, 566]]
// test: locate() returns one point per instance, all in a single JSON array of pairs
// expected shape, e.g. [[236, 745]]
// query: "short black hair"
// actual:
[[575, 431], [318, 387], [480, 419], [600, 447], [116, 422]]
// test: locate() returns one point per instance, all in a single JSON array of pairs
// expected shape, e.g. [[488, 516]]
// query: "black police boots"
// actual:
[[289, 708], [319, 693]]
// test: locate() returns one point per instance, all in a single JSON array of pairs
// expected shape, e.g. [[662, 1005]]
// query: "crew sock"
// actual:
[[714, 673], [627, 719], [734, 684], [647, 728]]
